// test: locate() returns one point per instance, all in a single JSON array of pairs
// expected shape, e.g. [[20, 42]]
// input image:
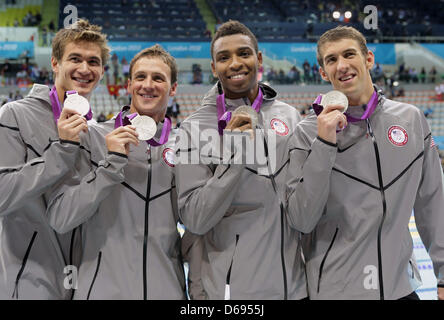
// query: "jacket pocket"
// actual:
[[95, 274], [325, 257], [227, 295], [22, 268]]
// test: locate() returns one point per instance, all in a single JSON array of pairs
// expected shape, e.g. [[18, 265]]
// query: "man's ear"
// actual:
[[128, 86], [323, 74], [370, 60], [213, 69], [54, 65], [173, 90], [259, 58]]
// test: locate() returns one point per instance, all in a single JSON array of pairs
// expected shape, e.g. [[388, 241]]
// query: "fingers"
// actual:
[[67, 113], [70, 124], [240, 121], [119, 139], [329, 120]]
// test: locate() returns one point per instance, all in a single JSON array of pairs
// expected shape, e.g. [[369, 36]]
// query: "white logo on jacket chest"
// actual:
[[398, 136], [168, 157], [279, 126]]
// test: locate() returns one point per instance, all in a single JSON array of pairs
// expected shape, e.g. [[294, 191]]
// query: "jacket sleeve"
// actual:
[[75, 200], [429, 207], [205, 191], [22, 179], [308, 179]]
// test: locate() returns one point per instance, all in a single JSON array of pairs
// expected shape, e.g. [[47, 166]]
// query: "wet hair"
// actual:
[[339, 33], [80, 31], [156, 51], [233, 27]]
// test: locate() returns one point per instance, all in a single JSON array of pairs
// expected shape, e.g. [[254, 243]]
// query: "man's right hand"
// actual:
[[120, 139], [70, 124], [328, 120]]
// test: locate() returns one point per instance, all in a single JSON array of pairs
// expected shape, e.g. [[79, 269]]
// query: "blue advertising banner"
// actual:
[[295, 53], [14, 50], [178, 50], [436, 48]]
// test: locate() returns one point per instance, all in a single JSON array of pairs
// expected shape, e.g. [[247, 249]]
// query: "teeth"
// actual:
[[347, 78], [82, 80], [147, 96], [237, 76]]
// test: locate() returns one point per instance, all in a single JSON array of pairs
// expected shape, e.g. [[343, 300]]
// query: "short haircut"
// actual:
[[339, 33], [156, 51], [233, 27], [80, 31]]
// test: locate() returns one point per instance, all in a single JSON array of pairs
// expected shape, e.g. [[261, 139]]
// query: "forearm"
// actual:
[[308, 184], [35, 177], [79, 198]]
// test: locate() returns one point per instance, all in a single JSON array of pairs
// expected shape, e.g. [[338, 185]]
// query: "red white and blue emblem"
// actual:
[[279, 126], [398, 136], [168, 157]]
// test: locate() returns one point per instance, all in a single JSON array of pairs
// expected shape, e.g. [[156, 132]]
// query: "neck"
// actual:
[[361, 99], [251, 94], [60, 94]]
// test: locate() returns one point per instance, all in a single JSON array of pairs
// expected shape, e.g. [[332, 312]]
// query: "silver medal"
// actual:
[[77, 103], [146, 127], [335, 97], [250, 112]]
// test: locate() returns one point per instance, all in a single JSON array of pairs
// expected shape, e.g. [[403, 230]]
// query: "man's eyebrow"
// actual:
[[237, 49], [343, 52], [75, 54]]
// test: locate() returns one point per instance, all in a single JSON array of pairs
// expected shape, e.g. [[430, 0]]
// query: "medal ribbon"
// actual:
[[125, 120], [57, 108], [224, 116], [369, 108]]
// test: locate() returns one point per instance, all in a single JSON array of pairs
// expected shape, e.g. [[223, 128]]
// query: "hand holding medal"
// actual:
[[243, 119], [334, 104], [120, 139], [72, 117]]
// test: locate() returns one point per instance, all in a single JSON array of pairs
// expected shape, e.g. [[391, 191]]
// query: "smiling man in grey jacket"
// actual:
[[248, 250], [381, 164], [36, 155]]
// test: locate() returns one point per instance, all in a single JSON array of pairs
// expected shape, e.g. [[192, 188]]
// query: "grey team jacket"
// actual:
[[361, 247], [131, 246], [247, 242], [32, 161]]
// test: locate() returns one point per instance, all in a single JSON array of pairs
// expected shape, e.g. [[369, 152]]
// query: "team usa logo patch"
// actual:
[[279, 127], [168, 157], [398, 136]]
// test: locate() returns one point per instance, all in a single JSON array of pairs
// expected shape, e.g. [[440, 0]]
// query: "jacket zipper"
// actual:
[[145, 234], [71, 249], [325, 257], [273, 182], [99, 258], [384, 209], [231, 265], [22, 268]]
